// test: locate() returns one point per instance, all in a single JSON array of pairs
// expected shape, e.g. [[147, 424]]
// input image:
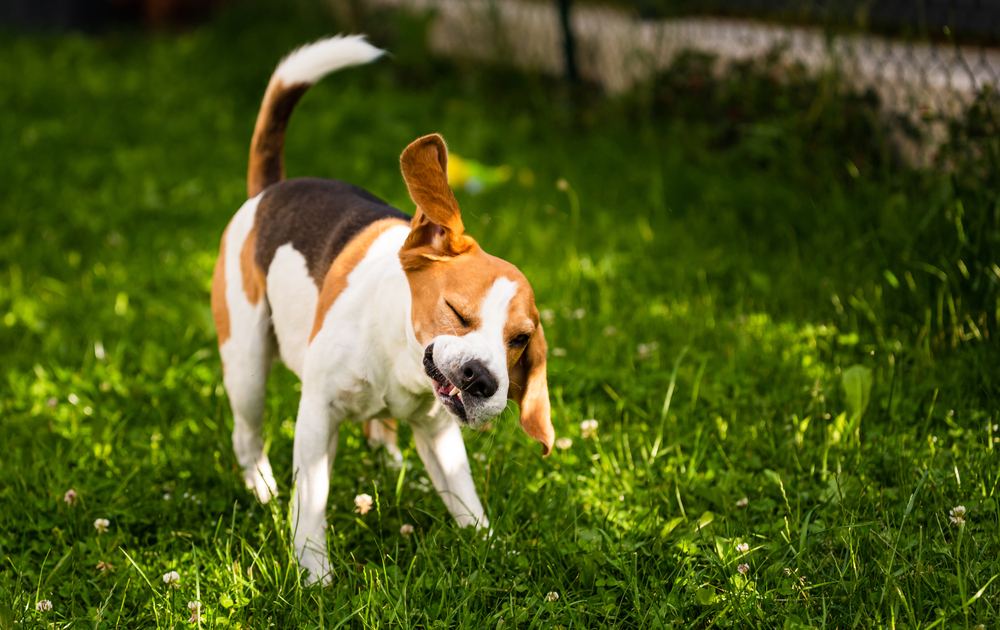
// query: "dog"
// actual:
[[378, 313]]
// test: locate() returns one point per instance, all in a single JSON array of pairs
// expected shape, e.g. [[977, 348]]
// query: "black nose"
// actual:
[[475, 379]]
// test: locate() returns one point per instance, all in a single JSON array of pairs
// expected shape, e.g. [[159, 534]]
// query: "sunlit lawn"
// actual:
[[723, 312]]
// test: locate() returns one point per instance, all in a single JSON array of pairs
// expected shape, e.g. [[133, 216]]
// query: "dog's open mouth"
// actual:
[[450, 395]]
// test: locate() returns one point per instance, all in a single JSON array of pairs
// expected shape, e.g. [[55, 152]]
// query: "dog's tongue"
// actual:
[[447, 389]]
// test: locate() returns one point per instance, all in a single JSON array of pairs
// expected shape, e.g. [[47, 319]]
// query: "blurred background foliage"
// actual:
[[751, 236]]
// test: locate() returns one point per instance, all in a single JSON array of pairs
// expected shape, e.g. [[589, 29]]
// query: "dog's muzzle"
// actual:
[[472, 383]]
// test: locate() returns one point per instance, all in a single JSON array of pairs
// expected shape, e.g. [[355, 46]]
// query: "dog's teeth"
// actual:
[[453, 390], [460, 396]]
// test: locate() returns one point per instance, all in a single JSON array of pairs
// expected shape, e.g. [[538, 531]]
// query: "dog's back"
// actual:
[[318, 218]]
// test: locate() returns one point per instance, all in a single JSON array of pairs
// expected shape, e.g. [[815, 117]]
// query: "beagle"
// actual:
[[378, 313]]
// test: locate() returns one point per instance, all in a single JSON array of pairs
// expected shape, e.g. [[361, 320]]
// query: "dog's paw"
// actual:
[[264, 491], [261, 481], [317, 568]]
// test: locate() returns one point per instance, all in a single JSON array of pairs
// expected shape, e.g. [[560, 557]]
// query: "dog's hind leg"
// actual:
[[246, 344], [384, 432], [246, 370]]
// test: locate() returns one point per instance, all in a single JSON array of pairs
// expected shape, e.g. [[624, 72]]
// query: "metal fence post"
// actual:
[[569, 43]]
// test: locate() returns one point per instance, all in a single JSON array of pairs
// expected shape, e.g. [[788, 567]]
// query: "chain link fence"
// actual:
[[926, 61]]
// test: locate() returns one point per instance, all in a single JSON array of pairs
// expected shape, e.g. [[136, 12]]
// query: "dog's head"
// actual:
[[473, 313]]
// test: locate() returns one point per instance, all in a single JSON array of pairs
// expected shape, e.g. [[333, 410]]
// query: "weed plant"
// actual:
[[787, 338]]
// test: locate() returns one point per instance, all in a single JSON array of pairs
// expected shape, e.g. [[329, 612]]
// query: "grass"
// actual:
[[719, 304]]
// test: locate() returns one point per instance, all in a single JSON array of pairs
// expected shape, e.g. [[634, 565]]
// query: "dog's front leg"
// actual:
[[314, 450], [439, 442]]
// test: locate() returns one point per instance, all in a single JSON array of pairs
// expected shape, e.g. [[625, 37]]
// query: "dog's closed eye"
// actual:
[[519, 342], [462, 320]]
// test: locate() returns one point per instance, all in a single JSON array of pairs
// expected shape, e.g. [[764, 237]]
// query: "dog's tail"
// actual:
[[293, 76]]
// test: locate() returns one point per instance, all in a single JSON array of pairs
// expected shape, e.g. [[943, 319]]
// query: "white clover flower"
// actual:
[[558, 352], [579, 313], [645, 350], [479, 457], [610, 331], [406, 531], [743, 568], [742, 547], [195, 608], [552, 596], [742, 503], [70, 497], [548, 315], [564, 443], [588, 429], [364, 503], [172, 579], [101, 525], [957, 515], [43, 605], [103, 566]]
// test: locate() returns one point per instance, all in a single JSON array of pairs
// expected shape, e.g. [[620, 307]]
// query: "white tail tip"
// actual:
[[312, 62]]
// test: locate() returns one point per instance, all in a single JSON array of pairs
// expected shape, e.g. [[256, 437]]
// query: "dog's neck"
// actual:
[[389, 321], [412, 359]]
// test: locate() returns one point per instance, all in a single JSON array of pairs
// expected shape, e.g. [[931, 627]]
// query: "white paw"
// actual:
[[261, 480], [264, 490], [468, 520], [317, 566]]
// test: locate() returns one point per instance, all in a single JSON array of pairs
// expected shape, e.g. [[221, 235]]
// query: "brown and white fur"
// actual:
[[379, 314]]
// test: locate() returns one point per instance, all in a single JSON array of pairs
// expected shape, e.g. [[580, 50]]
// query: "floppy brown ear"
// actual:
[[438, 219], [529, 388]]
